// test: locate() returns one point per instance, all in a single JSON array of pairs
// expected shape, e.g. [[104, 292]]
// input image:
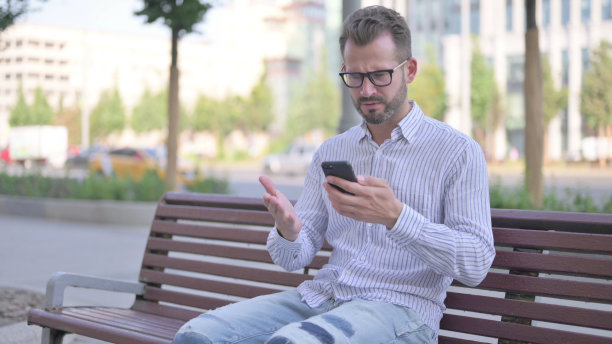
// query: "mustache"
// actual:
[[370, 99]]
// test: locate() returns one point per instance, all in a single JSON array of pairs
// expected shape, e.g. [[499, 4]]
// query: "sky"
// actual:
[[112, 16]]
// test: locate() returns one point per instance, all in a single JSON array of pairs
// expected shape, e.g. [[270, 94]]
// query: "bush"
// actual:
[[149, 189]]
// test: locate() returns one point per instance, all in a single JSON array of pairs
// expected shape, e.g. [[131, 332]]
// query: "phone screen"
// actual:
[[340, 169]]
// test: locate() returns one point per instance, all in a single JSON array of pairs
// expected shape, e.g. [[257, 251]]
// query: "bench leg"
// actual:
[[51, 336]]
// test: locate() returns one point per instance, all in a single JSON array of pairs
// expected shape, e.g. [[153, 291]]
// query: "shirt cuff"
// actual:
[[408, 226], [277, 243]]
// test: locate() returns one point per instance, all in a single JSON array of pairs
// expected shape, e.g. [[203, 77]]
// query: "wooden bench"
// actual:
[[550, 281]]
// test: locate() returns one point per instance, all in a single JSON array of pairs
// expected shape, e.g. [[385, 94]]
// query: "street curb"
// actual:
[[103, 212]]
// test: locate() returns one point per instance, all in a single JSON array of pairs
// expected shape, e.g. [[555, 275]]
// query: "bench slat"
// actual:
[[181, 314], [214, 200], [595, 267], [547, 287], [226, 270], [255, 217], [185, 299], [530, 310], [225, 288], [514, 331], [57, 319], [210, 232], [552, 240]]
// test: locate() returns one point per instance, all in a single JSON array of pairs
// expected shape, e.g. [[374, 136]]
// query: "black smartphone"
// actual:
[[340, 169]]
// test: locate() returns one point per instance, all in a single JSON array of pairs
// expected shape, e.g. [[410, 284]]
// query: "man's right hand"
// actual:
[[287, 221]]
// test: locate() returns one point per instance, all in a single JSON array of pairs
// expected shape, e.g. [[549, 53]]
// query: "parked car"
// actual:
[[84, 157], [5, 156], [294, 161], [133, 163]]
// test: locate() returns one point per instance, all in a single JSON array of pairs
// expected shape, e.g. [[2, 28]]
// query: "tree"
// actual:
[[596, 95], [428, 89], [483, 93], [315, 106], [180, 16], [554, 100], [534, 126], [39, 113], [11, 10], [20, 113], [69, 117], [42, 112], [260, 106], [151, 112], [108, 116]]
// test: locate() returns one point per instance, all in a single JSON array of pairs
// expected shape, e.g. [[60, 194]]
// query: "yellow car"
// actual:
[[133, 163]]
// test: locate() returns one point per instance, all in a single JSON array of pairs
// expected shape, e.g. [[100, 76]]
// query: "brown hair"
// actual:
[[366, 24]]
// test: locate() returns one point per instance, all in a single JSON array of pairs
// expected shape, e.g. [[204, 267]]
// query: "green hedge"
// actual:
[[94, 187]]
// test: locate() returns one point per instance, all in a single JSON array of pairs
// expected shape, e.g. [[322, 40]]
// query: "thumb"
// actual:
[[268, 184]]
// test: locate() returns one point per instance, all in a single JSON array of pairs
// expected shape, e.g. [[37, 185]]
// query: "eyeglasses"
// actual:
[[380, 78]]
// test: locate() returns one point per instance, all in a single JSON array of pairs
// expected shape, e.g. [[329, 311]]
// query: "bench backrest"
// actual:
[[205, 251]]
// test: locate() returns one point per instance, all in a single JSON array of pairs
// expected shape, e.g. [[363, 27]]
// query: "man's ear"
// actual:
[[411, 70]]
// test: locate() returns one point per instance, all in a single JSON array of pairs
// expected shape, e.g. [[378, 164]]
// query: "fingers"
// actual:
[[268, 184]]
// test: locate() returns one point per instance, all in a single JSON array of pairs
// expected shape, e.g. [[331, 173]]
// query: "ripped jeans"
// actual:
[[283, 318]]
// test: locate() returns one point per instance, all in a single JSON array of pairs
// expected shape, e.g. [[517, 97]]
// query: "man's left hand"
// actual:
[[373, 200]]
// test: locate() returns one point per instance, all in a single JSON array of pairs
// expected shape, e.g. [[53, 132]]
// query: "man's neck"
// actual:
[[381, 132]]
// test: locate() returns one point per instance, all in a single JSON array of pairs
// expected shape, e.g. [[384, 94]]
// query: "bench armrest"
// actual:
[[59, 281]]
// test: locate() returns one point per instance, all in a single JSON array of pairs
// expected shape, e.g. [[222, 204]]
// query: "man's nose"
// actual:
[[367, 88]]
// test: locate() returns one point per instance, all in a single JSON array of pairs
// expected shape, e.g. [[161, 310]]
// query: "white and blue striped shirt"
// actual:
[[443, 232]]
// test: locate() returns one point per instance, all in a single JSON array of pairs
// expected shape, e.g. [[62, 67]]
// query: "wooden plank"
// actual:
[[168, 311], [554, 263], [190, 300], [236, 288], [214, 200], [56, 320], [514, 331], [233, 271], [210, 232], [238, 216], [536, 311], [553, 287], [552, 220], [217, 250], [593, 243]]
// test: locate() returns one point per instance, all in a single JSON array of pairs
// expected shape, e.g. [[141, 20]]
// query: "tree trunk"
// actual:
[[173, 117], [349, 116], [602, 146], [534, 127]]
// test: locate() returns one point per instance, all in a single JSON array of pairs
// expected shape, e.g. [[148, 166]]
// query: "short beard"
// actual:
[[391, 107]]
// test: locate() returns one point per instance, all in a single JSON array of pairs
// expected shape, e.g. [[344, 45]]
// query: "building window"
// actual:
[[33, 43], [545, 13], [585, 11], [565, 67], [585, 60], [606, 9], [509, 15], [565, 12], [475, 17], [18, 43], [18, 59], [452, 16]]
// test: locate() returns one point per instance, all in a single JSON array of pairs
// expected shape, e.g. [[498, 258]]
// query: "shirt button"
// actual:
[[369, 225], [348, 272], [363, 258]]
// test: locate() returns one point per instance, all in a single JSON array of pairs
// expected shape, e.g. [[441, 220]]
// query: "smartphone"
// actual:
[[340, 169]]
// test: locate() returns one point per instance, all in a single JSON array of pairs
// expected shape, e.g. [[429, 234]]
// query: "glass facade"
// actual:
[[452, 16], [475, 17], [606, 9], [546, 13], [509, 15], [565, 12], [585, 11]]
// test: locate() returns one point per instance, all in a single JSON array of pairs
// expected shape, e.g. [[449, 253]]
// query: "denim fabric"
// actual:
[[283, 318]]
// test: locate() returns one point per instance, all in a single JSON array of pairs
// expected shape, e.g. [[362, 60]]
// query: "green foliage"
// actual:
[[20, 113], [483, 90], [11, 10], [108, 116], [151, 113], [428, 88], [39, 113], [182, 15], [259, 106], [316, 105], [149, 189], [596, 95], [554, 100]]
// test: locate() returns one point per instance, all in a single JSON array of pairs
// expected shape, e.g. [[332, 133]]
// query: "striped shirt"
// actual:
[[443, 232]]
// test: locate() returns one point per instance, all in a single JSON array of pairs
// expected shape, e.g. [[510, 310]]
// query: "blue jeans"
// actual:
[[283, 318]]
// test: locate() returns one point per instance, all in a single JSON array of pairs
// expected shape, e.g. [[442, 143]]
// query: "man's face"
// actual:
[[377, 104]]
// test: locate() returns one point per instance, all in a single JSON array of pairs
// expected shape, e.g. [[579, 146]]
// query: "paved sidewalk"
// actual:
[[32, 249]]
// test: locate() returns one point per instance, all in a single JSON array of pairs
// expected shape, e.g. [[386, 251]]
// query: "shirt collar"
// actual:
[[406, 128]]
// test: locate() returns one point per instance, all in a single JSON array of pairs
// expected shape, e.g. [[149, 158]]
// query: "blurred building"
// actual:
[[73, 67], [569, 31]]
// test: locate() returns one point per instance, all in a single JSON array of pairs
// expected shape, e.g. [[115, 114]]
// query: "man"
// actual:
[[418, 216]]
